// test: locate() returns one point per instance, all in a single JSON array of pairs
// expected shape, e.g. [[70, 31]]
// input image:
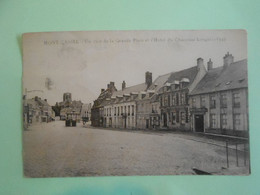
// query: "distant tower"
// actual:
[[67, 97]]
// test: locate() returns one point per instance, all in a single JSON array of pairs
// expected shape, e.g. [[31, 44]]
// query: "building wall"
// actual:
[[120, 115], [144, 109], [228, 118], [155, 115], [175, 108]]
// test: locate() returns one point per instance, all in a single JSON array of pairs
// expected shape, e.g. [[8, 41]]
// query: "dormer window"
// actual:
[[184, 82], [175, 85]]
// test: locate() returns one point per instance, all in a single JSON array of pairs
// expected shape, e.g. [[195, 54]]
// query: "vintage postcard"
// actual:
[[114, 103]]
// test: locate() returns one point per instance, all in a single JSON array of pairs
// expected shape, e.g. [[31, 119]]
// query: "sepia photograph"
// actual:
[[124, 103]]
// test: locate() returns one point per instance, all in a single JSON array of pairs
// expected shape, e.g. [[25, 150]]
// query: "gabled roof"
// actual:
[[223, 78]]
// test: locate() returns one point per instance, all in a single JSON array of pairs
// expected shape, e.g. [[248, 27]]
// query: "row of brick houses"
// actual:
[[199, 99]]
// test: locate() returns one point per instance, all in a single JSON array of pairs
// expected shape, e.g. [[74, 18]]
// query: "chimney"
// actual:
[[123, 85], [45, 100], [210, 65], [228, 59], [200, 63], [112, 84], [102, 90], [108, 86], [148, 79], [36, 98]]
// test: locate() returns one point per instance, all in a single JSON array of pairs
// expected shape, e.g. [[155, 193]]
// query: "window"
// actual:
[[133, 110], [186, 99], [212, 102], [187, 114], [236, 121], [183, 118], [202, 102], [118, 110], [169, 100], [177, 99], [182, 99], [165, 101], [173, 117], [223, 121], [177, 117], [223, 100], [128, 110], [161, 102], [173, 100], [236, 99], [193, 102], [115, 112], [213, 121]]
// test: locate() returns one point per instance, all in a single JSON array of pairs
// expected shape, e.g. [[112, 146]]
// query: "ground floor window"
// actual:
[[236, 121], [223, 120], [183, 118], [177, 117], [173, 117], [213, 122]]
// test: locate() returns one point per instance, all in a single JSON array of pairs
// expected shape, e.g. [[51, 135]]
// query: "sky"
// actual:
[[84, 62]]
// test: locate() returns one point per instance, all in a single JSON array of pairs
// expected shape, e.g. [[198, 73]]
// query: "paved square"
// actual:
[[53, 150]]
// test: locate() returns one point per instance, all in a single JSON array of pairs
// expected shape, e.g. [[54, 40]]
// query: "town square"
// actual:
[[107, 114]]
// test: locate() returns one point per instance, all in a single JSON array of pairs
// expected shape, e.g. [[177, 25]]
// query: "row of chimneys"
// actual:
[[148, 82], [227, 60], [36, 98], [109, 85]]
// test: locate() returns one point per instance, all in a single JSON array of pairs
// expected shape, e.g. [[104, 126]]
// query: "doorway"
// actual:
[[147, 123], [199, 123], [165, 120]]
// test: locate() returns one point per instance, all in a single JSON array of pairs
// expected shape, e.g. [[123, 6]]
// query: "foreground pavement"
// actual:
[[53, 150]]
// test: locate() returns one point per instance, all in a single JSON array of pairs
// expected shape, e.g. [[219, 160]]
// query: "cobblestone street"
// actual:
[[53, 150]]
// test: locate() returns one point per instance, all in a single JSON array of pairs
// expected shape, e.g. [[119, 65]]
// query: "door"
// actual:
[[164, 119], [199, 123], [147, 123]]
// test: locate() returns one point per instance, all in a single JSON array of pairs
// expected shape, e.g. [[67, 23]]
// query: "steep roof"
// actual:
[[159, 82], [128, 90], [223, 78], [189, 73]]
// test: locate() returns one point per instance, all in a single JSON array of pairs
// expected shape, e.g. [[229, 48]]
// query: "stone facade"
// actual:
[[37, 110], [97, 110], [219, 103], [212, 100], [174, 95]]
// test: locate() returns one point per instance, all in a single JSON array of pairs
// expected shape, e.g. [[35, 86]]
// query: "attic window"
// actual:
[[228, 83], [241, 80]]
